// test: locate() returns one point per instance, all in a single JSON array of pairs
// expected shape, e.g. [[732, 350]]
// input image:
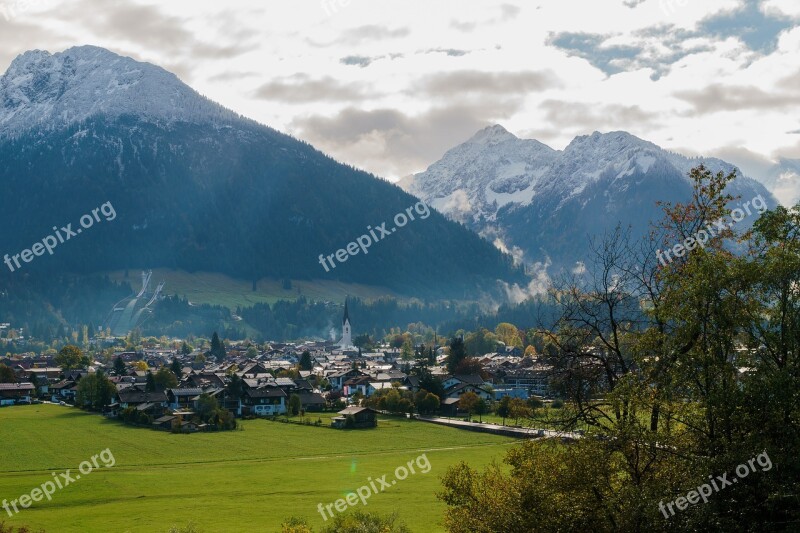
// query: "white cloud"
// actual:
[[273, 61]]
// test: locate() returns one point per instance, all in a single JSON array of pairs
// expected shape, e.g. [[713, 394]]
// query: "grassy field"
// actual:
[[218, 289], [238, 481]]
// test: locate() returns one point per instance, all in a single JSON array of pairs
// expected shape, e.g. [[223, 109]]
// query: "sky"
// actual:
[[389, 86]]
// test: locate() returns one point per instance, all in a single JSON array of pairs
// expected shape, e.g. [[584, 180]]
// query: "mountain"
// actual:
[[196, 187], [544, 205], [783, 180]]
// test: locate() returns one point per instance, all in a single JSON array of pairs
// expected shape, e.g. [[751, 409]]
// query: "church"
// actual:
[[347, 335]]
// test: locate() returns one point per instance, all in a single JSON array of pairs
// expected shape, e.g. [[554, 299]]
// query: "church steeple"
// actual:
[[347, 334]]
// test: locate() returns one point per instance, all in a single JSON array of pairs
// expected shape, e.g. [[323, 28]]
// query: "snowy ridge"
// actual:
[[492, 169], [495, 169], [43, 90], [543, 206]]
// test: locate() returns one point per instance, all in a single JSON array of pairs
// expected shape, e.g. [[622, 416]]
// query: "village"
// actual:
[[188, 390]]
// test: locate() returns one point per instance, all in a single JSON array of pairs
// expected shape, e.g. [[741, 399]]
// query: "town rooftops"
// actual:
[[16, 386]]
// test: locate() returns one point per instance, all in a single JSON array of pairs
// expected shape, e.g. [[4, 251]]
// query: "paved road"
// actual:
[[500, 430]]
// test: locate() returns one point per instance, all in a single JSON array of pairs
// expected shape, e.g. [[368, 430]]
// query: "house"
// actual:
[[265, 401], [459, 390], [311, 401], [133, 397], [337, 379], [165, 422], [362, 417], [181, 398], [452, 381], [449, 407], [11, 393]]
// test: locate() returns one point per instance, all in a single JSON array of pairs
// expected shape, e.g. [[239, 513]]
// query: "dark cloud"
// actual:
[[795, 132], [300, 88], [233, 76], [146, 26], [716, 98], [371, 32], [470, 82], [589, 117], [360, 61], [389, 139]]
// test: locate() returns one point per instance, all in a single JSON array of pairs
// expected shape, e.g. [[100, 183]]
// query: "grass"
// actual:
[[223, 482]]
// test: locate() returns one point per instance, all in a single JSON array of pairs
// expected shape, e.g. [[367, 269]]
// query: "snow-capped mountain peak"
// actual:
[[521, 194], [54, 90]]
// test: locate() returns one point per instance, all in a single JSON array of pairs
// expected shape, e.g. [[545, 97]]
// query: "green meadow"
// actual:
[[237, 481]]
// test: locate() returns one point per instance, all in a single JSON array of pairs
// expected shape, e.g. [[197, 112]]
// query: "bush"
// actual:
[[557, 404]]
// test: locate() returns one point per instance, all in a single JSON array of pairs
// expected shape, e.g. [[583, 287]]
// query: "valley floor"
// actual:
[[238, 481]]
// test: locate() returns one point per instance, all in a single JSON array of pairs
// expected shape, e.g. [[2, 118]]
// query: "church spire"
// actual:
[[346, 313]]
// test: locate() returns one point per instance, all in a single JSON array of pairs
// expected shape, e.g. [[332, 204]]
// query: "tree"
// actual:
[[470, 366], [186, 349], [428, 403], [519, 409], [95, 391], [295, 404], [6, 374], [150, 384], [176, 368], [305, 361], [407, 350], [206, 406], [165, 379], [468, 402], [71, 357], [141, 366], [217, 350], [508, 334], [481, 408], [119, 366], [504, 408], [458, 353]]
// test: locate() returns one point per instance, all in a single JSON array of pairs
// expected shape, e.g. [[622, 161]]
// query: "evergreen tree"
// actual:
[[150, 386], [458, 352], [119, 366], [176, 368], [217, 348]]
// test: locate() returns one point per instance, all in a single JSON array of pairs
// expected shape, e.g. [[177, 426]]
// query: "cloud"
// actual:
[[371, 32], [656, 48], [392, 143], [147, 26], [485, 83], [539, 284], [301, 88], [361, 61], [718, 98], [586, 116]]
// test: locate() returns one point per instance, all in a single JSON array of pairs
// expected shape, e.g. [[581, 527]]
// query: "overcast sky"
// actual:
[[390, 85]]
